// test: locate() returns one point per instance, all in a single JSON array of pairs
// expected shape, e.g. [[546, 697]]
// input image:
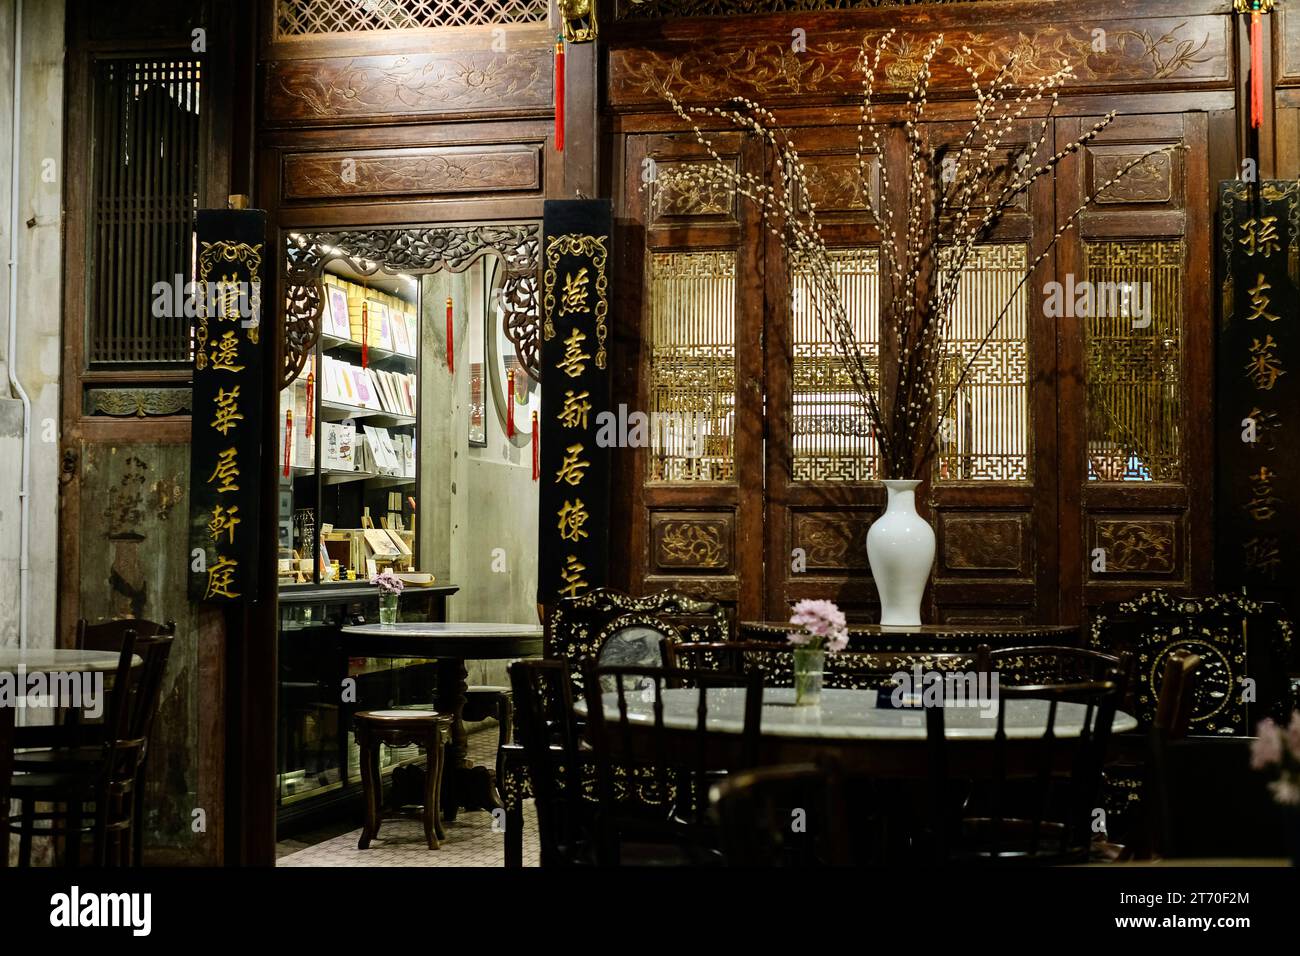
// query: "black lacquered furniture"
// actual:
[[1034, 807], [556, 764], [938, 638], [653, 776], [785, 816], [6, 770]]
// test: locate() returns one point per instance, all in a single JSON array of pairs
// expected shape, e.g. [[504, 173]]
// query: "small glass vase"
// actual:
[[808, 667], [388, 608]]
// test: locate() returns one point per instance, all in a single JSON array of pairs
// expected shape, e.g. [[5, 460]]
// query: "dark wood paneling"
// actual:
[[417, 85], [984, 542], [411, 172], [1152, 52], [692, 541]]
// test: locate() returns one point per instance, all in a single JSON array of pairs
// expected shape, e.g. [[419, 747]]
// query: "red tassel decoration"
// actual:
[[537, 471], [365, 336], [288, 438], [510, 403], [451, 359], [311, 406], [559, 94], [1256, 69]]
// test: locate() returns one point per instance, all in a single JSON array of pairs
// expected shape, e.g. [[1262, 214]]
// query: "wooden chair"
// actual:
[[6, 771], [1034, 798], [104, 774], [1235, 638], [555, 762], [398, 728], [791, 815], [1177, 695], [62, 747], [1054, 664], [1206, 803], [659, 768], [618, 629]]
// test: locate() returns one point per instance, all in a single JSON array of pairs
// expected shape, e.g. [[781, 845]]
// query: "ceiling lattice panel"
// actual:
[[316, 17]]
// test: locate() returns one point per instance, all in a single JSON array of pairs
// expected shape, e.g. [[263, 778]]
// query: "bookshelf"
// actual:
[[349, 435]]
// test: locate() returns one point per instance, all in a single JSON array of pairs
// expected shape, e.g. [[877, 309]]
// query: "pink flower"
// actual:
[[1286, 792], [386, 580], [1266, 750], [820, 622], [1293, 735]]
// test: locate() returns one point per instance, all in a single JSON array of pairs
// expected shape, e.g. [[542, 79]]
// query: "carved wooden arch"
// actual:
[[412, 250]]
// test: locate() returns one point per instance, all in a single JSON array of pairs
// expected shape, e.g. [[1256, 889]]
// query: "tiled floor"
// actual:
[[471, 840]]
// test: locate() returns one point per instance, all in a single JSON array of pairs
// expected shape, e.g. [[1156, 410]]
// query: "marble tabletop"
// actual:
[[36, 660], [847, 715], [447, 629], [473, 640]]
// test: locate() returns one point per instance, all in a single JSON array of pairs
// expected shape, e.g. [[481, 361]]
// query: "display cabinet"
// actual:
[[322, 685]]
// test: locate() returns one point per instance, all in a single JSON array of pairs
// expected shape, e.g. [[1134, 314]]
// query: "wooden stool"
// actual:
[[399, 728]]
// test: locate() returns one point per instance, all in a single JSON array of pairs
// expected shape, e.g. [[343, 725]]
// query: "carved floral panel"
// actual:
[[411, 172]]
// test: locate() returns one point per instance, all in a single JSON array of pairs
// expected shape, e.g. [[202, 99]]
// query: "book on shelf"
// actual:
[[401, 335], [338, 446]]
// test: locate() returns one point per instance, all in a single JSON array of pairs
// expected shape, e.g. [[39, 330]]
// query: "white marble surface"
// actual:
[[847, 715], [46, 660], [447, 629]]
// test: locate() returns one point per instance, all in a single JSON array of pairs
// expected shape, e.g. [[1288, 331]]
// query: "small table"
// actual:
[[866, 738], [451, 644]]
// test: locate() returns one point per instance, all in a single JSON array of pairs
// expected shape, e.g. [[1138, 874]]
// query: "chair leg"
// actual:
[[137, 820], [515, 833], [25, 810], [72, 840], [505, 734], [370, 784], [431, 790], [437, 761]]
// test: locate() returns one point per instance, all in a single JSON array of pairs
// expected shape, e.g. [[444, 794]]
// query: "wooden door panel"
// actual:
[[1135, 453]]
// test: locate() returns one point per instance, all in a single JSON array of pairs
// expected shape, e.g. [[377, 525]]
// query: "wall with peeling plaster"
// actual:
[[39, 287]]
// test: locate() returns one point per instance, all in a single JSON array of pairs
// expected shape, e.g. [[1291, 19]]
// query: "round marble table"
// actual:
[[864, 737], [46, 660], [451, 644]]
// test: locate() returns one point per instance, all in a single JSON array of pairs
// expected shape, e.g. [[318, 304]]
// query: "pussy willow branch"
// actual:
[[941, 228]]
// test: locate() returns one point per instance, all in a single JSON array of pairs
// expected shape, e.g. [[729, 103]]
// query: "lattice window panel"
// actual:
[[831, 434], [315, 17], [692, 366], [144, 186], [1134, 358], [985, 434]]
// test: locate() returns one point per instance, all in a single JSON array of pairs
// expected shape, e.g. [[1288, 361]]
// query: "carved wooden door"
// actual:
[[1136, 451], [689, 488]]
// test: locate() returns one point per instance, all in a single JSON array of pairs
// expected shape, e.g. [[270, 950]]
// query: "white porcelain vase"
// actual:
[[900, 547]]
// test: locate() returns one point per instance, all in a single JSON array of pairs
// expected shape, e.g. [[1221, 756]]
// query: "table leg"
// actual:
[[464, 785]]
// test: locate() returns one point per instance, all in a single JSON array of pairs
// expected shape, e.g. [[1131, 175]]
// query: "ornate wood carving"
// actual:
[[295, 18], [675, 197], [1147, 546], [666, 9], [835, 182], [1164, 50], [415, 250], [137, 402], [381, 87], [411, 172], [832, 541], [1150, 181], [692, 541], [984, 543]]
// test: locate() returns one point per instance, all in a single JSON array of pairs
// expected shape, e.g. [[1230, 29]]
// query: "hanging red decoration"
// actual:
[[510, 403], [1256, 68], [559, 94], [288, 439], [451, 359], [365, 336], [536, 469], [311, 406]]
